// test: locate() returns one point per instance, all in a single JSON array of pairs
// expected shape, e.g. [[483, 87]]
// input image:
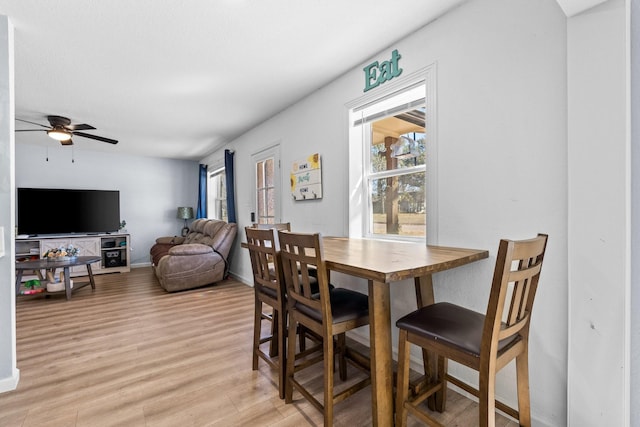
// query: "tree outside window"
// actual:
[[396, 176]]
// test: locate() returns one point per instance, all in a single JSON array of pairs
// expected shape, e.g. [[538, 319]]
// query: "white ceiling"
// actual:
[[178, 78]]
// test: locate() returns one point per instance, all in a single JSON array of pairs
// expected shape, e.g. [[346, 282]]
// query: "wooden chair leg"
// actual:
[[522, 373], [273, 345], [291, 360], [487, 397], [282, 361], [302, 337], [402, 389], [257, 326], [342, 358], [328, 381], [441, 395]]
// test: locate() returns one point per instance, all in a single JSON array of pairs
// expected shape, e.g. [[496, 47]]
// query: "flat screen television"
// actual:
[[63, 211]]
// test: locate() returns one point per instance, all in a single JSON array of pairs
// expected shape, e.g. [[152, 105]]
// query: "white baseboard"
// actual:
[[247, 281], [10, 383], [141, 264]]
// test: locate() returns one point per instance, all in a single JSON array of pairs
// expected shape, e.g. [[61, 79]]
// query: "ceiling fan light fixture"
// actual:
[[59, 134]]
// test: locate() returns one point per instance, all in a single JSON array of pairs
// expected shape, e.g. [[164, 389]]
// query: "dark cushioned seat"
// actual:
[[313, 282], [455, 325], [345, 305]]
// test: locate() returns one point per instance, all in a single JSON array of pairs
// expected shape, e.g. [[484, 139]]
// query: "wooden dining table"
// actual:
[[383, 263]]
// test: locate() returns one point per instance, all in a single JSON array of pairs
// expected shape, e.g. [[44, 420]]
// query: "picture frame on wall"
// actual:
[[306, 178]]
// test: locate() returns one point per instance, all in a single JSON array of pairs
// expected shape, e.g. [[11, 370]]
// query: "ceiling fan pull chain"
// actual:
[[73, 154], [47, 153]]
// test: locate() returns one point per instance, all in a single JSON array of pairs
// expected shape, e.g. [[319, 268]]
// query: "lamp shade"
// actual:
[[185, 213]]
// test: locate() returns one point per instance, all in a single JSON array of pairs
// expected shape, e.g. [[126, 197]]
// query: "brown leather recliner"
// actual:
[[196, 260]]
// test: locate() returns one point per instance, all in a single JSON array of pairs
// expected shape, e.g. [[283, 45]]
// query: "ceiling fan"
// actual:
[[62, 130]]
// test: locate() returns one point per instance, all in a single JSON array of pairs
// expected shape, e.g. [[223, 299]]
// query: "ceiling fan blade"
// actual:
[[97, 138], [82, 126], [34, 123]]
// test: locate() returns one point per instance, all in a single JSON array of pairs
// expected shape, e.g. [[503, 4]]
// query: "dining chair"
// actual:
[[483, 342], [276, 227], [329, 313], [281, 226], [302, 334], [268, 289]]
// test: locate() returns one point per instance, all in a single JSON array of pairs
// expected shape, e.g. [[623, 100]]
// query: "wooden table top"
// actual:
[[389, 261]]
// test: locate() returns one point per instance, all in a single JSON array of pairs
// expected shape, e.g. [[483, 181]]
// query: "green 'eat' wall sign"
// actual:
[[377, 73]]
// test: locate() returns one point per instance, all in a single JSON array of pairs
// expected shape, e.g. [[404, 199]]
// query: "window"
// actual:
[[267, 172], [392, 162], [395, 175], [217, 195]]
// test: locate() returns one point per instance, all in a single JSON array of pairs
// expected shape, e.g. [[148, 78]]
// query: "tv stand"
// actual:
[[113, 249]]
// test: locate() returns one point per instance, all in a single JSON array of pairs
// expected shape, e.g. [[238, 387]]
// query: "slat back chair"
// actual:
[[326, 312], [269, 290], [485, 343], [302, 333], [281, 226], [276, 227]]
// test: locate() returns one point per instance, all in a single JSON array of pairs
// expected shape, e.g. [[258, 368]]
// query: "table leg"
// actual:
[[18, 281], [380, 342], [90, 273], [424, 297], [67, 282]]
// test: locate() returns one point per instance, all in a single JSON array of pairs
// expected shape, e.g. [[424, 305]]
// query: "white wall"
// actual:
[[9, 373], [502, 164], [635, 218], [599, 217], [150, 188]]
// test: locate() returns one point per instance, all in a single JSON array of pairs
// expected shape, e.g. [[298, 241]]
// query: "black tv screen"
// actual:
[[61, 211]]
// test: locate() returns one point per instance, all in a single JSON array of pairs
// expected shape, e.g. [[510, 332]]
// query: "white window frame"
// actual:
[[359, 141], [213, 213], [272, 151]]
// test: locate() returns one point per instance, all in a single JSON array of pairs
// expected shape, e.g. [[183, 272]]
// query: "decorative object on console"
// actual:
[[123, 226], [185, 213], [61, 253]]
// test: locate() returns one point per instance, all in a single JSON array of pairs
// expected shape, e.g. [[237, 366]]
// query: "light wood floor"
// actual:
[[130, 354]]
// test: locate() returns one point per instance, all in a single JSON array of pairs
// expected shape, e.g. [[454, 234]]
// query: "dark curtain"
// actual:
[[231, 187], [202, 193]]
